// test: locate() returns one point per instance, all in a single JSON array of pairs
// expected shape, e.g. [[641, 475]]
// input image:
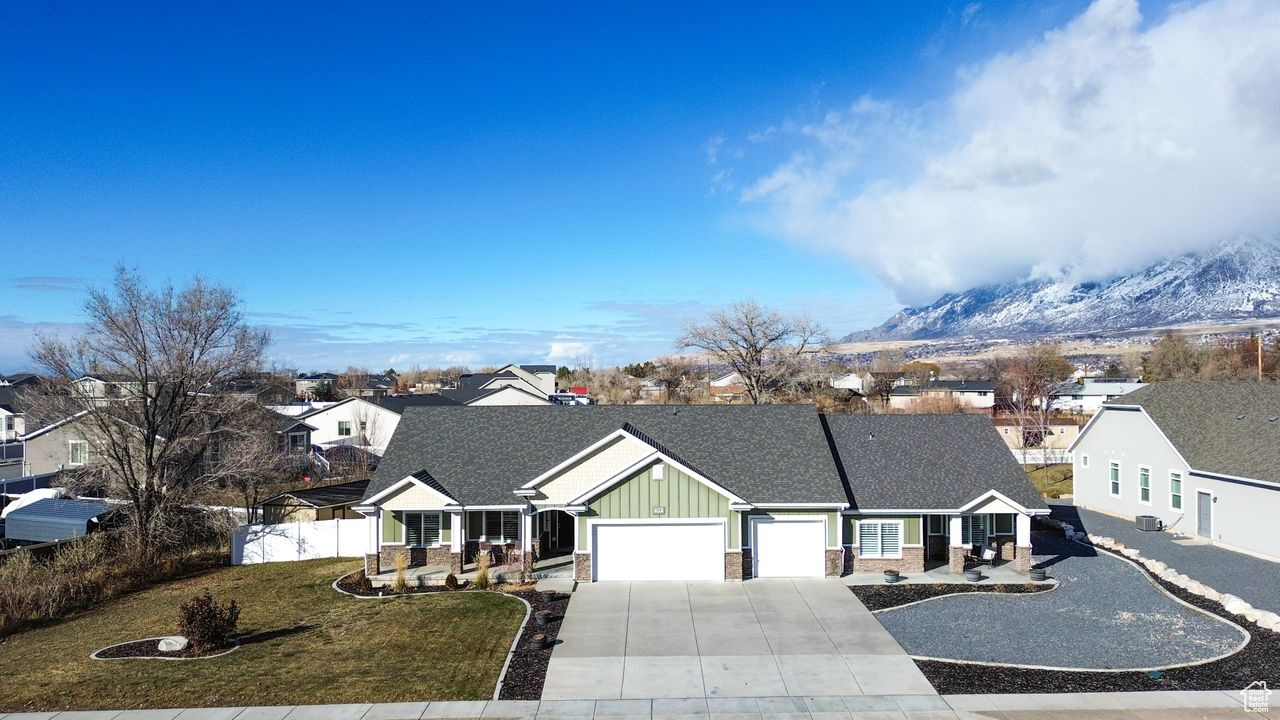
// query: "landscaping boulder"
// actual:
[[1155, 566], [1130, 553], [1236, 606], [1267, 619], [173, 643], [1211, 594], [1252, 614]]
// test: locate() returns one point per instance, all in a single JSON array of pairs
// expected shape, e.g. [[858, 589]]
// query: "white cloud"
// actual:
[[567, 351], [1097, 148]]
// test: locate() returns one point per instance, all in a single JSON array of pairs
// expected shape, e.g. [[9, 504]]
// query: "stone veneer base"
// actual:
[[912, 561]]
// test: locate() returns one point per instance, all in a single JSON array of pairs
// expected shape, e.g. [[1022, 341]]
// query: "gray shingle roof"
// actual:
[[327, 495], [1229, 427], [764, 454], [926, 462]]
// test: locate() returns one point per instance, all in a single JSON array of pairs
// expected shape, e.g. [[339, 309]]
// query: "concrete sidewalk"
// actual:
[[1095, 706]]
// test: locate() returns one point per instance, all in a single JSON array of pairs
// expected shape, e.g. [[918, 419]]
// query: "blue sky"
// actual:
[[441, 183]]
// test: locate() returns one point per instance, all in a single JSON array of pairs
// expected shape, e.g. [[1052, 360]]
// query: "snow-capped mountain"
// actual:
[[1234, 281]]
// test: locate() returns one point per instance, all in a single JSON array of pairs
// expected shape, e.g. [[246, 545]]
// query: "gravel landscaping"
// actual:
[[883, 597], [528, 668], [1105, 615], [1258, 660]]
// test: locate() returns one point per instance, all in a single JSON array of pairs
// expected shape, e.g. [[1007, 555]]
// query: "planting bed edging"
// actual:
[[235, 645]]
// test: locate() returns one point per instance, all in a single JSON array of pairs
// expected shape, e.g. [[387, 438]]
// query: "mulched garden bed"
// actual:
[[356, 584], [883, 597], [528, 669], [151, 649], [1258, 660]]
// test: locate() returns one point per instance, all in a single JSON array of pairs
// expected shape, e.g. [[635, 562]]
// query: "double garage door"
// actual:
[[695, 550]]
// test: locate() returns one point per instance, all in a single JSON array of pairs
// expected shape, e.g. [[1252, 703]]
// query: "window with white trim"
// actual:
[[79, 452], [1144, 485], [494, 526], [938, 525], [344, 428], [1002, 524], [1175, 490], [1115, 479], [422, 529], [973, 529], [880, 538]]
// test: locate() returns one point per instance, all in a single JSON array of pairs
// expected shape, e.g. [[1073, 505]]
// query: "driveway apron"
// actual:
[[760, 638]]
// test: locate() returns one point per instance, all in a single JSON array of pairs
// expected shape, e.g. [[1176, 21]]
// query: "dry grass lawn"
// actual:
[[302, 642], [1051, 480]]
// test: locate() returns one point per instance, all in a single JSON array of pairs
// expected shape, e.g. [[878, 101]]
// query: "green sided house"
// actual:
[[689, 492]]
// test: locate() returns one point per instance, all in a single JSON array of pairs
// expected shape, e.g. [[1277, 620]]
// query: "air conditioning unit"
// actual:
[[1149, 523]]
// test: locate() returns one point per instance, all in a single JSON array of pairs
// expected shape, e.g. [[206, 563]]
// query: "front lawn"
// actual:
[[302, 642], [1050, 480]]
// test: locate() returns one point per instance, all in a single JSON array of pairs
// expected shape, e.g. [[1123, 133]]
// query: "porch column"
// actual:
[[1022, 546], [526, 539], [457, 531], [957, 549], [372, 566]]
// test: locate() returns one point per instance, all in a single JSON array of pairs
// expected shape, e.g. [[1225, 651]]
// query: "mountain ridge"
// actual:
[[1238, 279]]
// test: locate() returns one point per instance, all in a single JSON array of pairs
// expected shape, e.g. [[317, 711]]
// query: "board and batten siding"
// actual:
[[679, 496], [1243, 513], [833, 521], [911, 528]]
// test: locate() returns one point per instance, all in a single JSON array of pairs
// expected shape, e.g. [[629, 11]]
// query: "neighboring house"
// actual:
[[727, 393], [305, 385], [13, 423], [367, 424], [896, 378], [974, 394], [1086, 398], [264, 391], [62, 445], [697, 492], [724, 379], [537, 380], [1038, 440], [330, 502], [1203, 456], [848, 381], [99, 388], [294, 434], [496, 395], [53, 519]]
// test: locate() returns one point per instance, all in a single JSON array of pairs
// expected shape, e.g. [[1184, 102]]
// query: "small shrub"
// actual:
[[363, 583], [482, 572], [402, 565], [450, 582], [206, 624]]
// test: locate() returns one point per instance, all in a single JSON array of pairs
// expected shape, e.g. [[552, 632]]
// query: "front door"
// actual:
[[1204, 515]]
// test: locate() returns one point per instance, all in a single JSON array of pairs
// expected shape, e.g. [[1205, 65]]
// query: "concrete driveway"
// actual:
[[760, 638]]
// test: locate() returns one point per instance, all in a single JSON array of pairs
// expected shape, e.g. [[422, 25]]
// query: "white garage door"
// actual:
[[659, 551], [789, 548]]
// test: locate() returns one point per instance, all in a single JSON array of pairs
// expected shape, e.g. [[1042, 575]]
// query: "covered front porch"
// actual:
[[557, 566]]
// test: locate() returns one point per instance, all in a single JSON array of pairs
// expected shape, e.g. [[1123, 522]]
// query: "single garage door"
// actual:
[[789, 548], [658, 551]]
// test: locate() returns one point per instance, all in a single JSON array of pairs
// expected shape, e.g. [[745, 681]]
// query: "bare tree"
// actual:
[[760, 344], [1031, 379], [674, 374], [351, 382], [247, 458], [167, 347]]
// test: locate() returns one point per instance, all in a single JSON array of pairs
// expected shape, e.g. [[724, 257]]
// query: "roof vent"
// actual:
[[1273, 418], [871, 436], [1239, 417]]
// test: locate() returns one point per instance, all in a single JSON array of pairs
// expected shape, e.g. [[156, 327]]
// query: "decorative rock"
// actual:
[[1237, 607], [1211, 594], [1253, 614], [1130, 553], [1267, 619], [173, 643], [1156, 566]]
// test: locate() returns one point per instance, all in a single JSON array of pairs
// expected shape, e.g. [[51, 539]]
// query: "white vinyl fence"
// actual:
[[288, 542], [1042, 456]]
